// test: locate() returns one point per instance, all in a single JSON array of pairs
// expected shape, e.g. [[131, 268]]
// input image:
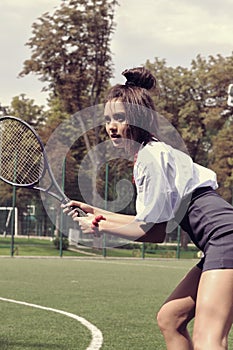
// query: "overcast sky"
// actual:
[[176, 30]]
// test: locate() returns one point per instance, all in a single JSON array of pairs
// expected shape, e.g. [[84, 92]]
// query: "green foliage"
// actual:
[[26, 109], [65, 243], [221, 160], [193, 99], [118, 169], [71, 51]]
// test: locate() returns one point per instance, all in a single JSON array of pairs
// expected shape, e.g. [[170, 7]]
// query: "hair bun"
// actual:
[[140, 77]]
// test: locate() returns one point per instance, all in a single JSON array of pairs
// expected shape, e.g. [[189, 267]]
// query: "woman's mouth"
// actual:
[[115, 136], [116, 140]]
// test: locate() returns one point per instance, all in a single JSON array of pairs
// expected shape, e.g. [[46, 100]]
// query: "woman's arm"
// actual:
[[120, 225], [126, 226]]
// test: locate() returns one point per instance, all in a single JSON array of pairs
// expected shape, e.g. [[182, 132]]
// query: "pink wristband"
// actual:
[[95, 224]]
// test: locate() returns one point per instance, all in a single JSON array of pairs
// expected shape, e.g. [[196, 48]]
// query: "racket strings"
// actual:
[[21, 156]]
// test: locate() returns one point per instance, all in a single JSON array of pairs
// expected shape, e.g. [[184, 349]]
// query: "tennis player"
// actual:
[[170, 186]]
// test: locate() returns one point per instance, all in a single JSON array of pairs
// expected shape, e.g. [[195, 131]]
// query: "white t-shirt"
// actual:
[[164, 176]]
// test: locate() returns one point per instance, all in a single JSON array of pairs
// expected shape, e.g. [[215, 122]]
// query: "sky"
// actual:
[[174, 30]]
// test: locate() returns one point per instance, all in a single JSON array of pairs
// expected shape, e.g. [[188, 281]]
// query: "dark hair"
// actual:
[[140, 77], [138, 103], [139, 81]]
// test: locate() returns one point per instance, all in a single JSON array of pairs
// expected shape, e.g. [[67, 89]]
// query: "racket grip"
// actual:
[[79, 211], [76, 208]]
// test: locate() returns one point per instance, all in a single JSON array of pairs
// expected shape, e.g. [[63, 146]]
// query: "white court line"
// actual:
[[97, 337], [117, 262]]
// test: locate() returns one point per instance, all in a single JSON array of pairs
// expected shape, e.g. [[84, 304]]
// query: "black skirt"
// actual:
[[209, 223]]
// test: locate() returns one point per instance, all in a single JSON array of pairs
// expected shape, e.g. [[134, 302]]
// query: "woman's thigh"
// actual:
[[214, 305]]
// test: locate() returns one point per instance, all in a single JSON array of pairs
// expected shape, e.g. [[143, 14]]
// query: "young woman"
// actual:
[[171, 187]]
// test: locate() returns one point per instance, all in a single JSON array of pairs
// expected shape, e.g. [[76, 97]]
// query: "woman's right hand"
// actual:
[[69, 208]]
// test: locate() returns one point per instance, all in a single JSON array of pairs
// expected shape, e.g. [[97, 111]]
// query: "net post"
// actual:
[[178, 243], [62, 218], [13, 222], [105, 206]]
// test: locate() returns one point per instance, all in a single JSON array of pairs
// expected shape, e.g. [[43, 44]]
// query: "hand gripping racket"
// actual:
[[23, 160]]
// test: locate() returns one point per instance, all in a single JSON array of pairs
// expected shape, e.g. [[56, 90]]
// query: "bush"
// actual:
[[65, 243]]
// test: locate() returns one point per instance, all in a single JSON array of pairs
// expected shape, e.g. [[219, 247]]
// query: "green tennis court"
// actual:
[[117, 297]]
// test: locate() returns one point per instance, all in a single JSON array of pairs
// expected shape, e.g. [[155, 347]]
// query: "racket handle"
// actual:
[[77, 209]]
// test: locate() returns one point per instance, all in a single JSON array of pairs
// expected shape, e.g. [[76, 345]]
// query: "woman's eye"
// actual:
[[120, 117], [107, 120]]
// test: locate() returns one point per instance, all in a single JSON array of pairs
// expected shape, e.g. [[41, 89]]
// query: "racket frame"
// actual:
[[60, 195]]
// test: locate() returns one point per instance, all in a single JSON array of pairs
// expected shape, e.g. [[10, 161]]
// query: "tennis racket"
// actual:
[[23, 160]]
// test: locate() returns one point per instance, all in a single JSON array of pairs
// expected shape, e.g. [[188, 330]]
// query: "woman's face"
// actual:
[[116, 125]]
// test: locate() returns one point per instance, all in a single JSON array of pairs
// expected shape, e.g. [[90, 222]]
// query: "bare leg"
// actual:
[[178, 310], [214, 310]]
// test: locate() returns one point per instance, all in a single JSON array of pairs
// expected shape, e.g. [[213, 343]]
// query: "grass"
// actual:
[[36, 246], [31, 246], [118, 296]]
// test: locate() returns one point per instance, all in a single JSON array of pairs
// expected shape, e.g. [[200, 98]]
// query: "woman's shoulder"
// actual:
[[161, 153], [153, 152], [155, 147]]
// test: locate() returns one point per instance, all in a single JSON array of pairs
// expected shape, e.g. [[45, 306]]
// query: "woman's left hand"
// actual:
[[89, 224], [85, 222]]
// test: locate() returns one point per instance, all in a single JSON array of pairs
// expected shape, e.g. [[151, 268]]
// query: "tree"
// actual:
[[194, 99], [71, 51], [4, 110], [177, 101], [25, 108], [221, 160]]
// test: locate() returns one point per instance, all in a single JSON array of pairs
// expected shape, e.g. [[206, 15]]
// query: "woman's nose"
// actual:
[[112, 125]]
